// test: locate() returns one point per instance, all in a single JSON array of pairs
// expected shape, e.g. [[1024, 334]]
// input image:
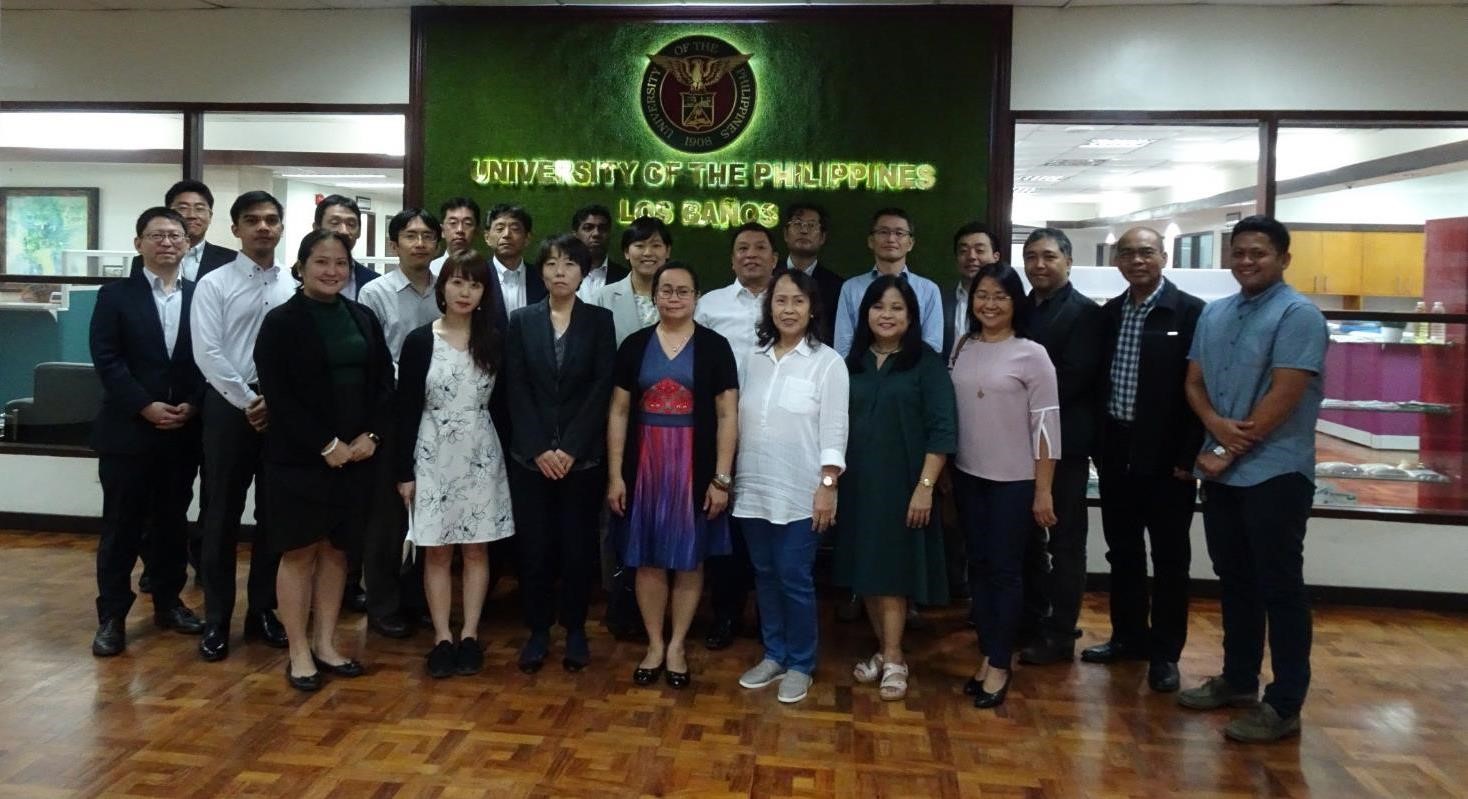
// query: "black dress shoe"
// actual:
[[1162, 676], [643, 676], [354, 599], [308, 683], [678, 679], [1048, 650], [180, 619], [215, 643], [578, 651], [988, 700], [1112, 651], [392, 625], [264, 625], [532, 655], [111, 638], [347, 668], [721, 636]]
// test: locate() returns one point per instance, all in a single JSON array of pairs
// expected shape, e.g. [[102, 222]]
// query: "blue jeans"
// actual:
[[997, 518], [782, 555]]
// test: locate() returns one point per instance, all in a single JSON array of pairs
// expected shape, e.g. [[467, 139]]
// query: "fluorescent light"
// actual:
[[369, 185], [1117, 144], [1041, 178], [1025, 189], [318, 176]]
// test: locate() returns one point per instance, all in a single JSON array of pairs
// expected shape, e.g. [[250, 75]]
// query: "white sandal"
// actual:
[[869, 670], [894, 682]]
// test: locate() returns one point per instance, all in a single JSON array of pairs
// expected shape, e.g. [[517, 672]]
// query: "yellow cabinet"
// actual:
[[1342, 256], [1307, 261], [1391, 264]]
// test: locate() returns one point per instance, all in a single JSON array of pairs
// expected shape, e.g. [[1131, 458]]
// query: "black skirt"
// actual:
[[305, 504]]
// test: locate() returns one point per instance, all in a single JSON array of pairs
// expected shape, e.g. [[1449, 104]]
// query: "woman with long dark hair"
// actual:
[[890, 546], [451, 470], [1009, 440], [326, 366]]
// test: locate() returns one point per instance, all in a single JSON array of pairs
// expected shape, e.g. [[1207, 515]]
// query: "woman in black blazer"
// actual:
[[326, 366], [558, 358]]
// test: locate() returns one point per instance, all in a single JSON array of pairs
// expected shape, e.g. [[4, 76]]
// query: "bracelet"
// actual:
[[330, 447], [374, 439], [722, 482]]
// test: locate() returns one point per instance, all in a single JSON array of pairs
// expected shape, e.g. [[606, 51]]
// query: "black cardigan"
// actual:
[[296, 381], [413, 387], [714, 372], [560, 407]]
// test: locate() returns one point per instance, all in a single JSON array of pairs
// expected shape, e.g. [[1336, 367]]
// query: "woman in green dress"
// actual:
[[890, 547]]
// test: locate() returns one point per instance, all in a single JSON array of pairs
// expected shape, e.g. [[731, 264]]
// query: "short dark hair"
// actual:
[[657, 276], [644, 228], [969, 229], [309, 242], [912, 341], [250, 199], [336, 199], [755, 226], [160, 212], [1008, 279], [186, 186], [1278, 234], [789, 212], [897, 212], [1054, 234], [595, 209], [766, 333], [406, 216], [455, 203], [515, 212], [568, 245]]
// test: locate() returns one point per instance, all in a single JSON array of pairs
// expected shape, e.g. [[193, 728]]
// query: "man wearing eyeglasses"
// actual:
[[891, 238], [1149, 439], [147, 432], [341, 214], [195, 203], [805, 226]]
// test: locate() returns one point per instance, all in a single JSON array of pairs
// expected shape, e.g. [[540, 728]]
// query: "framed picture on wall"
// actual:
[[37, 225]]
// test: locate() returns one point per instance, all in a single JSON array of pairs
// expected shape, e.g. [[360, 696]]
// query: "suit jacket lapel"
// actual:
[[143, 287]]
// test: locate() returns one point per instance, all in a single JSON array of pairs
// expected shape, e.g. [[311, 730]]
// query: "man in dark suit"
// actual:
[[1149, 440], [805, 226], [195, 203], [339, 213], [1069, 325], [592, 224], [507, 231], [147, 433]]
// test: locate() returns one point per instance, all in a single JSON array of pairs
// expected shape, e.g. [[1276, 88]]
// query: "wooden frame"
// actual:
[[90, 196]]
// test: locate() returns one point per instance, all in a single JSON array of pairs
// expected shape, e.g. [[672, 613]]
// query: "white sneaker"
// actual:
[[794, 687], [766, 672]]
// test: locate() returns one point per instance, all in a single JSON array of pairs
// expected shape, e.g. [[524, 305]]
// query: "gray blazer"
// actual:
[[617, 298]]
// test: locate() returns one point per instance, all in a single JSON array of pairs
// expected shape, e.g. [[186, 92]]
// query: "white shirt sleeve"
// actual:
[[206, 324], [835, 412]]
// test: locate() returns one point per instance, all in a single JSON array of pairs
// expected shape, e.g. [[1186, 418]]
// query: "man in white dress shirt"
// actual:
[[593, 225], [460, 220], [507, 231], [734, 312], [229, 305]]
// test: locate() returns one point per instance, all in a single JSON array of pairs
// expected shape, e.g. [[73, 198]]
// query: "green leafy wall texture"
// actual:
[[862, 89]]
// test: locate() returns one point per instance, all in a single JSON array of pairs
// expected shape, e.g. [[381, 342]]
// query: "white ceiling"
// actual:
[[173, 5]]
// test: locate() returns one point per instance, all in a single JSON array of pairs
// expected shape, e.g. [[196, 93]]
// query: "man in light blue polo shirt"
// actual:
[[891, 239], [1255, 374]]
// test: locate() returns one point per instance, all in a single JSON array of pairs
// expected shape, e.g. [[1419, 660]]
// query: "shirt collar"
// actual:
[[250, 267], [744, 292], [1151, 298], [878, 273], [1263, 295], [155, 281], [803, 347], [197, 251], [503, 270], [809, 270]]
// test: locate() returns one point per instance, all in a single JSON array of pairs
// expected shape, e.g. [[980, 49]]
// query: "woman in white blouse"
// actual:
[[792, 445], [1008, 442]]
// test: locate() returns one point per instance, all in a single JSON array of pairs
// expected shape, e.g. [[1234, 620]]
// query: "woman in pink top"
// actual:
[[1008, 442]]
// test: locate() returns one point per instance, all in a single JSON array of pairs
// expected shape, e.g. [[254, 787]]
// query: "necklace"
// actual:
[[665, 338], [884, 353]]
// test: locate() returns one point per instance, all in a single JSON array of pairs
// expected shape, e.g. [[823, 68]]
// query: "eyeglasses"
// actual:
[[681, 292], [803, 227], [159, 238], [981, 297], [1128, 253], [890, 232], [198, 208], [413, 237]]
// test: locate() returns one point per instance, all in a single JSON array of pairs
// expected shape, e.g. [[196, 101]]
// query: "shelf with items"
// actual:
[[1403, 472]]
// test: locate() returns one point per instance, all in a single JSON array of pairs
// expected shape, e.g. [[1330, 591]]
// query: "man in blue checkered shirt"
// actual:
[[1149, 439]]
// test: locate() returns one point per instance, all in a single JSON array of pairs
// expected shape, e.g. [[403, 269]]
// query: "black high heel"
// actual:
[[987, 700]]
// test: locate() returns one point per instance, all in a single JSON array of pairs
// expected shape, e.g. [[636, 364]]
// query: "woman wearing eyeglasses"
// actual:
[[1009, 440], [671, 433]]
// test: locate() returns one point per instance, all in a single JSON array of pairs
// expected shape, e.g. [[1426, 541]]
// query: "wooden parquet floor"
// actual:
[[1386, 716]]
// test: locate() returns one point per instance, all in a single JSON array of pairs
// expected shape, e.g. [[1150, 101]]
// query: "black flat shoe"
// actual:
[[643, 676], [678, 679], [215, 643], [308, 683], [578, 651], [347, 668], [111, 638], [179, 619], [264, 625], [441, 660], [721, 636], [468, 657], [532, 655], [988, 700]]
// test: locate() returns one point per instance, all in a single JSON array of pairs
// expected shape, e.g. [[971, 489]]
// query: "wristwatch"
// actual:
[[723, 481], [828, 481], [925, 482]]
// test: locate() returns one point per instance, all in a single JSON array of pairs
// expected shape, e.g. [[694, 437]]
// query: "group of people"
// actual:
[[464, 400]]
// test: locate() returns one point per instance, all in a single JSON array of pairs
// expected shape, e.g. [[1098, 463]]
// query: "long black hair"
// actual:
[[766, 333], [912, 341], [485, 346], [1008, 280]]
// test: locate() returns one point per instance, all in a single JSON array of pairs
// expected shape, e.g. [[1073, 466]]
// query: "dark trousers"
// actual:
[[730, 578], [556, 522], [997, 518], [1136, 507], [141, 492], [389, 587], [1055, 563], [1256, 538], [232, 461]]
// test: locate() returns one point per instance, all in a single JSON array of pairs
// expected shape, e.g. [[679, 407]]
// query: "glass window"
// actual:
[[48, 389]]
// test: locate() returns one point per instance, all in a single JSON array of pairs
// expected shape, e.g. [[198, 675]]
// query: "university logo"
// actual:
[[698, 93]]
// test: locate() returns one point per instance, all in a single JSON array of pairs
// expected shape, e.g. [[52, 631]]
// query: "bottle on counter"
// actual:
[[1415, 330], [1437, 332]]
